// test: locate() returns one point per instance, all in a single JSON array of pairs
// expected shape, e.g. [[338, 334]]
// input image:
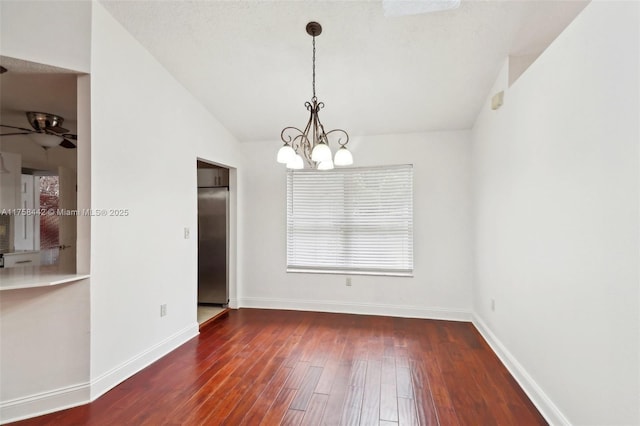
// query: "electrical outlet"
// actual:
[[493, 304], [348, 281], [187, 233], [163, 310]]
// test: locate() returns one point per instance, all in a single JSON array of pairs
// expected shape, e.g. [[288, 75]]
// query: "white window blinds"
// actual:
[[356, 220]]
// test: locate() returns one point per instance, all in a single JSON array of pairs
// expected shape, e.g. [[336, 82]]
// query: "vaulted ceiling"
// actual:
[[249, 62]]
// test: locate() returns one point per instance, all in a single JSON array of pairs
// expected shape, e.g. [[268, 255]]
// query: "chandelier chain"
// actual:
[[314, 68]]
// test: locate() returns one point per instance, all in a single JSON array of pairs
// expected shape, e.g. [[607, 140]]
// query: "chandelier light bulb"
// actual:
[[286, 154], [321, 152], [343, 157], [296, 163], [325, 165]]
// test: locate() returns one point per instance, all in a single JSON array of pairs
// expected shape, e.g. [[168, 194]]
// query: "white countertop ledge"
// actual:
[[36, 276]]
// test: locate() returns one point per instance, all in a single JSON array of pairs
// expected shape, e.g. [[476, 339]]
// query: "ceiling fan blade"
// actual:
[[70, 136], [19, 128], [56, 129], [66, 143], [14, 134]]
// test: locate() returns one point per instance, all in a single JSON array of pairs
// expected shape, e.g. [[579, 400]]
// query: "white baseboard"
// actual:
[[107, 381], [355, 308], [44, 403], [545, 405], [73, 396]]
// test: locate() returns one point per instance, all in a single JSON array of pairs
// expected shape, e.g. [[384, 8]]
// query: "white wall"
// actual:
[[556, 216], [147, 132], [441, 286], [44, 351], [56, 33]]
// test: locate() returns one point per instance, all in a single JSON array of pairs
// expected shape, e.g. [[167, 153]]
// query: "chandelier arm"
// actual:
[[315, 128], [298, 142], [305, 144], [286, 138], [306, 154], [339, 141], [306, 131], [323, 134], [308, 126]]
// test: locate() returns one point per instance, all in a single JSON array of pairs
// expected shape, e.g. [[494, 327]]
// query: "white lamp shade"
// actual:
[[44, 140], [321, 152], [325, 165], [296, 163], [286, 154], [343, 157]]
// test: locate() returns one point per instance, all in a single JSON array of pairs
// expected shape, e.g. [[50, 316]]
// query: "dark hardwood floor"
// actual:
[[267, 367]]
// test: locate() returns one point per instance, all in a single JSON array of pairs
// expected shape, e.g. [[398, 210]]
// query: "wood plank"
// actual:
[[425, 410], [315, 410], [337, 396], [371, 398], [388, 402], [306, 389], [404, 388], [297, 375], [279, 408], [292, 418], [332, 364], [407, 412], [268, 397], [352, 406], [388, 371]]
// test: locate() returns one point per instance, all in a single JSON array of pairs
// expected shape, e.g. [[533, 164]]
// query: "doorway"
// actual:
[[213, 240], [49, 226]]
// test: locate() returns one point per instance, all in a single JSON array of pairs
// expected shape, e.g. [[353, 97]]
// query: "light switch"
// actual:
[[497, 100], [187, 233]]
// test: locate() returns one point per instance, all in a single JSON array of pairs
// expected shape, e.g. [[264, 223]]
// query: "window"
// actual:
[[356, 220]]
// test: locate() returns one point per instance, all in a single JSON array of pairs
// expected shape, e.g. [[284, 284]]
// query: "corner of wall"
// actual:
[[106, 381], [535, 393]]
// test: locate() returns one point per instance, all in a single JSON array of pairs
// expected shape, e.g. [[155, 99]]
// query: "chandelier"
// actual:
[[312, 143]]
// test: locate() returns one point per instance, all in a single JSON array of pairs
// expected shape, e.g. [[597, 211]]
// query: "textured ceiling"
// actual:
[[249, 62]]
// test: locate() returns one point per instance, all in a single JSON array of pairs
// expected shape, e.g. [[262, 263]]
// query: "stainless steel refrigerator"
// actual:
[[213, 225]]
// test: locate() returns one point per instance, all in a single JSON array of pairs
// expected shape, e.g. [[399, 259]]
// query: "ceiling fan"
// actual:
[[47, 130]]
